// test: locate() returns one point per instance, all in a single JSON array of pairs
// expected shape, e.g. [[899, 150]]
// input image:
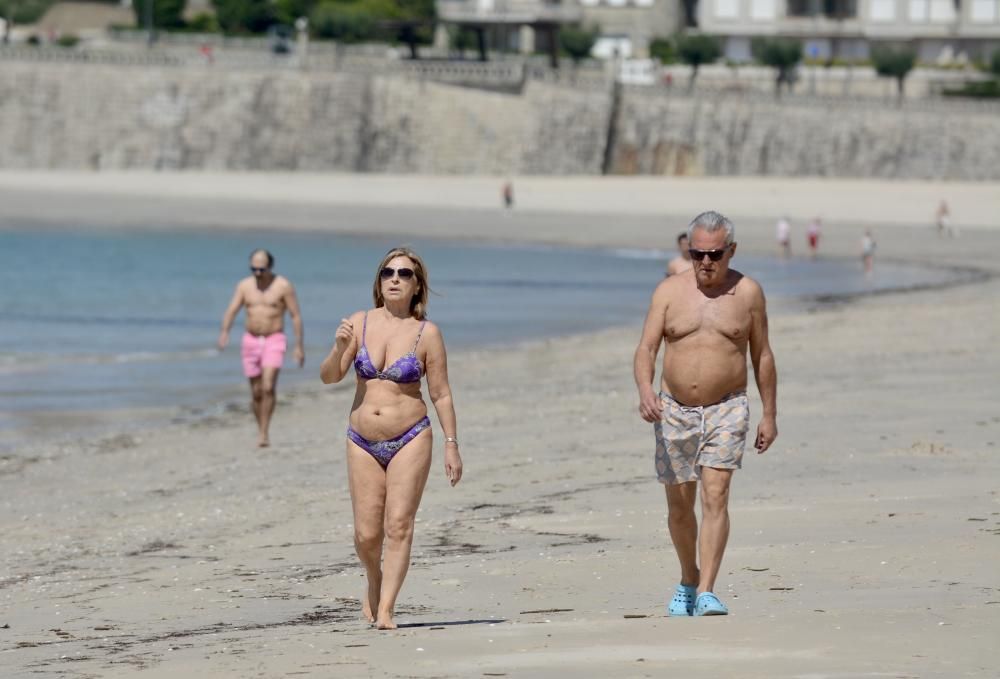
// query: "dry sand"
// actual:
[[865, 543]]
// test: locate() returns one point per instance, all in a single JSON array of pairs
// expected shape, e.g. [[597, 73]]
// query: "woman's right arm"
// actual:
[[345, 346]]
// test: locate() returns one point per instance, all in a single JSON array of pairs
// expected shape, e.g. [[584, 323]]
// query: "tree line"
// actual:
[[782, 54]]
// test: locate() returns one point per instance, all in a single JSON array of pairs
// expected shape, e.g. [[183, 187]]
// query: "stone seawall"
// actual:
[[68, 116], [78, 116], [753, 134]]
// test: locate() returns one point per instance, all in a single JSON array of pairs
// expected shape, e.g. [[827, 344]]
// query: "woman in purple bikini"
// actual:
[[389, 435]]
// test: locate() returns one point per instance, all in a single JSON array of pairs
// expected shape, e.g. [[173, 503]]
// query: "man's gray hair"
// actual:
[[711, 221]]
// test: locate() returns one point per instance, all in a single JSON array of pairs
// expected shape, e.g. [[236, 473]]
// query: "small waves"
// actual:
[[23, 363], [541, 285], [94, 319], [641, 253]]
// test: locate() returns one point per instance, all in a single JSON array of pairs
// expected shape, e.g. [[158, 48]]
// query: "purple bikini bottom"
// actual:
[[384, 451]]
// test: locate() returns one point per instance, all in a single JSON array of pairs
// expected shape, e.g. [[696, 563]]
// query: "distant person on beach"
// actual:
[[813, 232], [682, 262], [783, 232], [389, 435], [942, 219], [208, 53], [708, 320], [868, 246], [508, 194], [266, 297]]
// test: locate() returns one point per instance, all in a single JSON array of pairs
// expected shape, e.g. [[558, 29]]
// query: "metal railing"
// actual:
[[942, 105], [509, 11], [814, 83]]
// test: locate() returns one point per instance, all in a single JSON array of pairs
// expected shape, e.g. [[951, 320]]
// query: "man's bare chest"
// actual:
[[721, 317], [268, 298]]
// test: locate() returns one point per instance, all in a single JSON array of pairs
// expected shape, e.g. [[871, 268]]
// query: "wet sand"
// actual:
[[864, 543]]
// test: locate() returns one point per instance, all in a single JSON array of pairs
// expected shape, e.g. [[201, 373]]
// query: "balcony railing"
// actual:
[[509, 11]]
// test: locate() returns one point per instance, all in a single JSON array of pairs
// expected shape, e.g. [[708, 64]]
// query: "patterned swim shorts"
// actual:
[[691, 437]]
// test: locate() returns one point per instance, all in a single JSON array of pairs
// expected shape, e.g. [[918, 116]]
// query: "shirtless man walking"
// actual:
[[267, 297], [708, 318]]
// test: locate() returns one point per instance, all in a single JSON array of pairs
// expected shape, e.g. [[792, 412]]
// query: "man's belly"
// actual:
[[703, 378], [265, 325]]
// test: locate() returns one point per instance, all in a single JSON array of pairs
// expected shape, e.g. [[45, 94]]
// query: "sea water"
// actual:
[[101, 319]]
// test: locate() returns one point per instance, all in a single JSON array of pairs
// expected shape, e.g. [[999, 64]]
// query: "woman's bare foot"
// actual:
[[370, 602], [385, 619], [263, 441]]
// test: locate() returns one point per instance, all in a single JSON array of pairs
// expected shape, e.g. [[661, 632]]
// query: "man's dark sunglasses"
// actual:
[[258, 269], [714, 255], [388, 272]]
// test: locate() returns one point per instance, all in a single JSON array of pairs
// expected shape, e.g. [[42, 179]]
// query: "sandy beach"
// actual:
[[864, 543]]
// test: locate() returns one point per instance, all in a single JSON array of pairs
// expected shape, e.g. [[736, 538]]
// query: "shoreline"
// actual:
[[856, 201], [607, 212], [229, 400]]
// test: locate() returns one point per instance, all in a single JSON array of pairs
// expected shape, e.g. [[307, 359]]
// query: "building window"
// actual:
[[727, 9], [883, 10], [840, 9], [918, 11], [800, 8], [984, 11], [762, 10], [942, 11], [831, 9]]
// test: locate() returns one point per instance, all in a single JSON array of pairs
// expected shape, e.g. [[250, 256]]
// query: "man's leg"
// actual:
[[714, 523], [268, 398], [683, 526], [255, 395]]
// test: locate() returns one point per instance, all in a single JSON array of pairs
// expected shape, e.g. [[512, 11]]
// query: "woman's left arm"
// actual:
[[436, 367]]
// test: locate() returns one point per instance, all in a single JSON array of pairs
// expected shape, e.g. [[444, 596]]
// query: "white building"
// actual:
[[939, 30], [512, 25], [628, 26]]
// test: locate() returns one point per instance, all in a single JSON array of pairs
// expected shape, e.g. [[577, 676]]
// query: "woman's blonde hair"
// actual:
[[418, 304]]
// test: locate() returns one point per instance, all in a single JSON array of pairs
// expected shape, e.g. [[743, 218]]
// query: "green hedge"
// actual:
[[244, 16], [25, 11], [167, 14], [346, 21], [986, 89]]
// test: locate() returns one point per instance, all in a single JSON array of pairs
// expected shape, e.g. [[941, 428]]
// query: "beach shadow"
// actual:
[[449, 623]]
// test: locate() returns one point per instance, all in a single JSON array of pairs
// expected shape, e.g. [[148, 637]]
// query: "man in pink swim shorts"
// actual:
[[708, 318], [266, 297]]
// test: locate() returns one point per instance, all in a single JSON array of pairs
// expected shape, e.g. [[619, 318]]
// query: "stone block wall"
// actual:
[[73, 116], [103, 116], [751, 134]]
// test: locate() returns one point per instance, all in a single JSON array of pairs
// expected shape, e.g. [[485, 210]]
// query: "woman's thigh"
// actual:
[[367, 481], [406, 477]]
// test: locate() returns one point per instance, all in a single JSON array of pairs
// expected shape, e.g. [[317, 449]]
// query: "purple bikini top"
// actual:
[[404, 370]]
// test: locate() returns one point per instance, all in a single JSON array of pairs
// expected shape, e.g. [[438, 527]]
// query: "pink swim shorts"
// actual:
[[262, 351]]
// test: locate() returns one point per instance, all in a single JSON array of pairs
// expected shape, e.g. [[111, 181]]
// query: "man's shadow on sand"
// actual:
[[448, 623]]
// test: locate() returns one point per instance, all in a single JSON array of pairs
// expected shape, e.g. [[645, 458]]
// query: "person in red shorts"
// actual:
[[813, 233]]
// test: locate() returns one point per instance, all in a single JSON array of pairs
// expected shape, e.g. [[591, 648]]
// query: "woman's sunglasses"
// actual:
[[714, 255], [388, 272]]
